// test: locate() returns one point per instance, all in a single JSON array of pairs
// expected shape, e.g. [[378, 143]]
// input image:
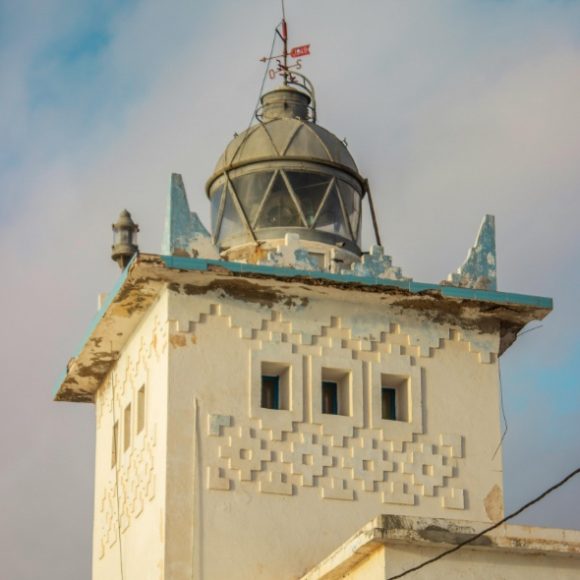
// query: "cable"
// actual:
[[521, 333], [504, 416], [503, 413], [493, 527]]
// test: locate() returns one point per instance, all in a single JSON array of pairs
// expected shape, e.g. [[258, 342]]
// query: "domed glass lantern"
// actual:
[[286, 174]]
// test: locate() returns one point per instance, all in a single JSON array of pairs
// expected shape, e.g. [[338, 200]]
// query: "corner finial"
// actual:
[[124, 239], [479, 269]]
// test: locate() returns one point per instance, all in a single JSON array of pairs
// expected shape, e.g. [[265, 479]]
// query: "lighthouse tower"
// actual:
[[264, 389]]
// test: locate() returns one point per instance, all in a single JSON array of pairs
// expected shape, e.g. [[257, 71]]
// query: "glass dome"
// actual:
[[286, 174]]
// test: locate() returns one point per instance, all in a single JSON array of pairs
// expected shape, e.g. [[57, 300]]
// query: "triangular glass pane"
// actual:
[[331, 218], [251, 189], [280, 131], [305, 144], [309, 189], [279, 209], [231, 222], [257, 144], [216, 200], [351, 200]]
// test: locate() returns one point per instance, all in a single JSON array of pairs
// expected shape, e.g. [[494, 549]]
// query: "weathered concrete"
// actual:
[[377, 265], [389, 545], [142, 282]]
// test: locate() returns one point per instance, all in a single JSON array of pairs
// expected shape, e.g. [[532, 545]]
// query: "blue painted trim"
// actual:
[[200, 265]]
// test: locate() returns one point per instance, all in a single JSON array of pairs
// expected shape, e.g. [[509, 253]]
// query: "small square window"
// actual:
[[336, 392], [395, 398], [275, 386]]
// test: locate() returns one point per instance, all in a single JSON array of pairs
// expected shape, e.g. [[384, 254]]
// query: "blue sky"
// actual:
[[452, 109]]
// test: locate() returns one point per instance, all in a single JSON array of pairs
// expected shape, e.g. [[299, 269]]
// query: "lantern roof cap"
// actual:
[[125, 220], [285, 138]]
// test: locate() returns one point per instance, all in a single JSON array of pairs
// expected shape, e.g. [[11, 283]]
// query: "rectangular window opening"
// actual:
[[114, 444], [389, 403], [395, 398], [127, 427], [141, 409], [329, 398], [275, 387], [336, 392], [270, 392]]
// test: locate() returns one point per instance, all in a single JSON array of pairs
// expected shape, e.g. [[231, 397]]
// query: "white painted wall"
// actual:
[[278, 490], [141, 468]]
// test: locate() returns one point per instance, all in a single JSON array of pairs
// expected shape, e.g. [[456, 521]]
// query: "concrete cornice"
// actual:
[[144, 279]]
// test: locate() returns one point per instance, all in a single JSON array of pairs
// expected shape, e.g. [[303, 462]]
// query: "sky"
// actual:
[[451, 109]]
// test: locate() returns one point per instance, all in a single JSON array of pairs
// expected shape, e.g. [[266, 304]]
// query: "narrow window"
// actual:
[[395, 398], [127, 428], [276, 386], [389, 403], [336, 392], [329, 397], [114, 444], [270, 392], [141, 409]]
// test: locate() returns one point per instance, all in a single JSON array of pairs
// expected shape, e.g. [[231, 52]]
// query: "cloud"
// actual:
[[452, 111]]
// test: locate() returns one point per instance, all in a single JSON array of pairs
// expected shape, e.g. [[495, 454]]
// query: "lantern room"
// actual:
[[286, 174]]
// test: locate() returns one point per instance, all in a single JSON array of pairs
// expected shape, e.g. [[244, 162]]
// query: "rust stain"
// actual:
[[193, 339], [493, 504], [177, 340]]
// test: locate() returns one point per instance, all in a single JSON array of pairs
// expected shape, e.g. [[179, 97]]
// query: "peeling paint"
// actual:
[[177, 340], [146, 277], [493, 504], [377, 265]]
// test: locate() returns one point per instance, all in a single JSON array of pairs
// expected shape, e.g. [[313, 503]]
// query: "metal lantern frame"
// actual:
[[284, 143], [251, 225]]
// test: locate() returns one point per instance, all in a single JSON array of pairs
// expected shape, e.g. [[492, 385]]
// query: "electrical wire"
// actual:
[[503, 414], [490, 528]]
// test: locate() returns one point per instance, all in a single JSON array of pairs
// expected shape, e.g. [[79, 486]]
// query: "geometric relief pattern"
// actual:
[[339, 462], [131, 483], [136, 486], [399, 473], [319, 339]]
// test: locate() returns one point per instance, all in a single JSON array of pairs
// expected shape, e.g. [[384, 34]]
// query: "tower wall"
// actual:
[[132, 485], [265, 493]]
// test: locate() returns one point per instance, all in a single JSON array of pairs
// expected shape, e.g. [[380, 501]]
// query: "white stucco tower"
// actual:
[[263, 391]]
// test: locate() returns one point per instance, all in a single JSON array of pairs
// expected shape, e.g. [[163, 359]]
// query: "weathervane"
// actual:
[[284, 69]]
